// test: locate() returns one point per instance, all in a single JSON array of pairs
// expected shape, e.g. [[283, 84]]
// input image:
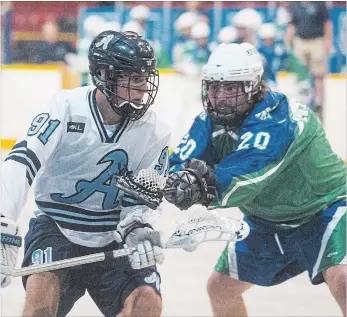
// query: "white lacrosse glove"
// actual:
[[10, 243], [148, 242]]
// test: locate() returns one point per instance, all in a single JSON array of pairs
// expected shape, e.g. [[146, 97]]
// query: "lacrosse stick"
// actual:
[[202, 227], [72, 262], [147, 187], [207, 226]]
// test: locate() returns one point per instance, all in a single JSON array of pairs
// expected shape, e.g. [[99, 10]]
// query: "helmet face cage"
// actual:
[[233, 105], [123, 68], [148, 84]]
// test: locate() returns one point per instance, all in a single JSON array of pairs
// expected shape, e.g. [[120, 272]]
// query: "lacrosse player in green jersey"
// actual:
[[254, 149]]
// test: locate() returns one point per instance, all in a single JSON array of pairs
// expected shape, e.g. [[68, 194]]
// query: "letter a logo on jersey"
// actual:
[[105, 41], [103, 183]]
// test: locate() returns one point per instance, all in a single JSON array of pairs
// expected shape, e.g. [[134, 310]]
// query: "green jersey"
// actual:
[[278, 166]]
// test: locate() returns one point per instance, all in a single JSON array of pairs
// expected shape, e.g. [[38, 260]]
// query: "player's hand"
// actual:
[[148, 243], [10, 243], [196, 184]]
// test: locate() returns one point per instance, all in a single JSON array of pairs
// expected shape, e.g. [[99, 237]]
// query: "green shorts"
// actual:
[[271, 255]]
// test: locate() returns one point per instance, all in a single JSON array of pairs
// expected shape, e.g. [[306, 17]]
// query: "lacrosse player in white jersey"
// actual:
[[73, 149]]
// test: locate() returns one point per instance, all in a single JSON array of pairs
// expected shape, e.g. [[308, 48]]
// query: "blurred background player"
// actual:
[[269, 156], [247, 22], [93, 25], [73, 149], [183, 26], [227, 35], [196, 54], [139, 16], [273, 50]]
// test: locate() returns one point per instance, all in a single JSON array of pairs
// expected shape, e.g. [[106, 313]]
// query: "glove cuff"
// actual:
[[136, 226]]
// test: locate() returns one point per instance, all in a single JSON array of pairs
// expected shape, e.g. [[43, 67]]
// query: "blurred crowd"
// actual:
[[297, 39]]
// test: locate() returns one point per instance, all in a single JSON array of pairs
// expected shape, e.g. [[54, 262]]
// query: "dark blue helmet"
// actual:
[[123, 68]]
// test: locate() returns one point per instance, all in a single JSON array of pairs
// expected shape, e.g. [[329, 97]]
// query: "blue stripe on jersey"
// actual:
[[83, 226], [79, 219], [22, 148], [30, 174], [77, 215], [87, 223], [78, 210], [20, 144]]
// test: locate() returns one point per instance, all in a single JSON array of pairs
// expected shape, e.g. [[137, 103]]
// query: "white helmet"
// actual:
[[139, 12], [239, 67], [200, 30], [92, 25], [185, 20], [248, 18], [227, 35], [283, 16], [267, 31], [234, 62]]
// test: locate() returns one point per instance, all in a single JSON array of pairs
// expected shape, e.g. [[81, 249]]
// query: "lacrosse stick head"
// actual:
[[147, 186], [207, 226]]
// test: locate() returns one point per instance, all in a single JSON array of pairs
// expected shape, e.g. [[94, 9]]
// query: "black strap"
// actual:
[[137, 225]]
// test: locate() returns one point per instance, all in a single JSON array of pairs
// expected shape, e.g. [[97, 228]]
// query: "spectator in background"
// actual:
[[51, 50], [247, 22], [310, 33]]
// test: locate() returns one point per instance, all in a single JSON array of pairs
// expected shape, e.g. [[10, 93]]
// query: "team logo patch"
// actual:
[[75, 127]]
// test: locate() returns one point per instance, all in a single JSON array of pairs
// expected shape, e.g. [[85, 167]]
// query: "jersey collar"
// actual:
[[99, 123]]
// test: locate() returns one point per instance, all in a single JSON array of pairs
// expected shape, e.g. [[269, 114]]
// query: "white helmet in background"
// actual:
[[283, 16], [231, 80], [247, 18], [92, 25], [267, 31], [185, 20], [140, 12], [200, 30], [227, 35]]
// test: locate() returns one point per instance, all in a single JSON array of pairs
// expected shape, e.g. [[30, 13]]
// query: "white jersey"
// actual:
[[73, 159]]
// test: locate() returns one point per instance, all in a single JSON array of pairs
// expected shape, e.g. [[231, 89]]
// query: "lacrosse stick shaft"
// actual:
[[62, 264]]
